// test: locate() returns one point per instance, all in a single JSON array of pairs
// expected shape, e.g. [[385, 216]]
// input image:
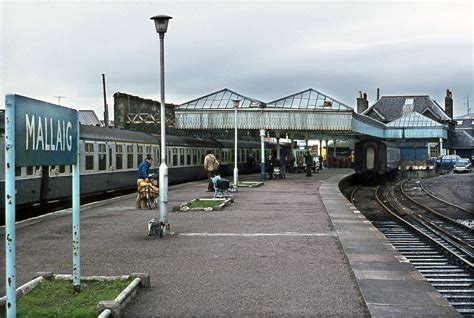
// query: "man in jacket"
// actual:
[[308, 160], [143, 169], [211, 165]]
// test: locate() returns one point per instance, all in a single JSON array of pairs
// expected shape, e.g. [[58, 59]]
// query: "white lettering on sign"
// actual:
[[43, 135]]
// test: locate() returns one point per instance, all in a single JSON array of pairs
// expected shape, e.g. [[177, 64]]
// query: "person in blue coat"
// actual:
[[143, 170]]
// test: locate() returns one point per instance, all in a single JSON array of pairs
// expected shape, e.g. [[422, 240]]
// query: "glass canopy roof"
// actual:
[[309, 99], [221, 100], [413, 119]]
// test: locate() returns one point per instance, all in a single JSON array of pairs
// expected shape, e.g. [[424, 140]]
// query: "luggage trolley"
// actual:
[[221, 187]]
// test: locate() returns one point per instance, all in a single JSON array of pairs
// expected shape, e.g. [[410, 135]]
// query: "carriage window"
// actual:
[[149, 154], [62, 169], [129, 156], [232, 157], [102, 157], [195, 156], [168, 158], [175, 157], [188, 157], [17, 171], [118, 157], [139, 155], [370, 158], [29, 170], [181, 157], [89, 156], [217, 153]]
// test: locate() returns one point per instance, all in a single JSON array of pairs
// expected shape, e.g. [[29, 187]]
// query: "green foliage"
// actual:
[[55, 298]]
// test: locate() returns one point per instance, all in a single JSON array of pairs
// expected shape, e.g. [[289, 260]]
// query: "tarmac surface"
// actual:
[[276, 251], [457, 188]]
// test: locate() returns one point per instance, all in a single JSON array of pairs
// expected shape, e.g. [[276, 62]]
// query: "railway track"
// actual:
[[440, 253]]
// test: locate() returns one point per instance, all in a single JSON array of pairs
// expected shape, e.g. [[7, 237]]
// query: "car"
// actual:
[[463, 165], [447, 161]]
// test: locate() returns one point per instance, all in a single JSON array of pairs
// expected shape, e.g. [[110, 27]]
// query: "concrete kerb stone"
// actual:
[[107, 308], [23, 290], [185, 207]]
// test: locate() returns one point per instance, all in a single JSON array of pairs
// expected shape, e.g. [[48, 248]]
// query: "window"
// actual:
[[102, 157], [434, 151], [62, 169], [89, 156], [182, 160], [139, 155], [188, 157], [17, 171], [195, 156], [129, 156], [118, 157], [175, 157], [370, 158], [29, 170]]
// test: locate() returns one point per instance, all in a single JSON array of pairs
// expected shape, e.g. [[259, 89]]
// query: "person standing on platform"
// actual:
[[271, 167], [251, 162], [211, 165], [143, 169], [283, 166], [308, 160]]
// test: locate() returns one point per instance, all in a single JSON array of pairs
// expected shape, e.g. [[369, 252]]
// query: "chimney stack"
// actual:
[[448, 104], [378, 94], [362, 102]]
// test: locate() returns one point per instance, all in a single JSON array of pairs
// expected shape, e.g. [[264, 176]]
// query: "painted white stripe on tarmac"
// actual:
[[331, 234]]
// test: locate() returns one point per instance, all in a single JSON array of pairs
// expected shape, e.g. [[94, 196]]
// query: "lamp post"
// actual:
[[161, 24], [236, 170], [262, 142]]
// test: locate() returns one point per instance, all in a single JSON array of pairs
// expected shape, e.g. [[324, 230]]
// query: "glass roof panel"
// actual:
[[413, 119], [220, 100], [309, 99]]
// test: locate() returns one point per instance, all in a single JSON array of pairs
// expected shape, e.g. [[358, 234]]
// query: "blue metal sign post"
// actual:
[[38, 133], [10, 247]]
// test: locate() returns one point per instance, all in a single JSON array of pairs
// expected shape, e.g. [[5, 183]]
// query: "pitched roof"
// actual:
[[462, 139], [222, 99], [393, 107], [309, 99], [89, 118], [413, 119]]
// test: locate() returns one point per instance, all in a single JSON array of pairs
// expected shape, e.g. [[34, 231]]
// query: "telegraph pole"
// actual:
[[106, 110]]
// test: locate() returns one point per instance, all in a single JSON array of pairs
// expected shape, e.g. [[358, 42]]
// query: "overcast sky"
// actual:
[[261, 49]]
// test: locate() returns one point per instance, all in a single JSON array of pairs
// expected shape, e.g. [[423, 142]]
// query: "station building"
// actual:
[[422, 128]]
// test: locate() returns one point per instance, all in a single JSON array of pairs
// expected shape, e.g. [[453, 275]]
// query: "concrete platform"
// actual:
[[293, 247]]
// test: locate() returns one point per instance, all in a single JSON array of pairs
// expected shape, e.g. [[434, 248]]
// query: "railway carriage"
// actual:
[[109, 159], [376, 160]]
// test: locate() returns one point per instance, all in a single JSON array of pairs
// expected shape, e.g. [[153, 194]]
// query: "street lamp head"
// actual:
[[161, 23], [236, 103]]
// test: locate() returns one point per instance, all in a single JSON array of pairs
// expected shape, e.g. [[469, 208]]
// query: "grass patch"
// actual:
[[54, 298], [205, 203]]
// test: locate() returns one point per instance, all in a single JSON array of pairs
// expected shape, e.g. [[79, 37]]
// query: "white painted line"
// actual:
[[332, 234]]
